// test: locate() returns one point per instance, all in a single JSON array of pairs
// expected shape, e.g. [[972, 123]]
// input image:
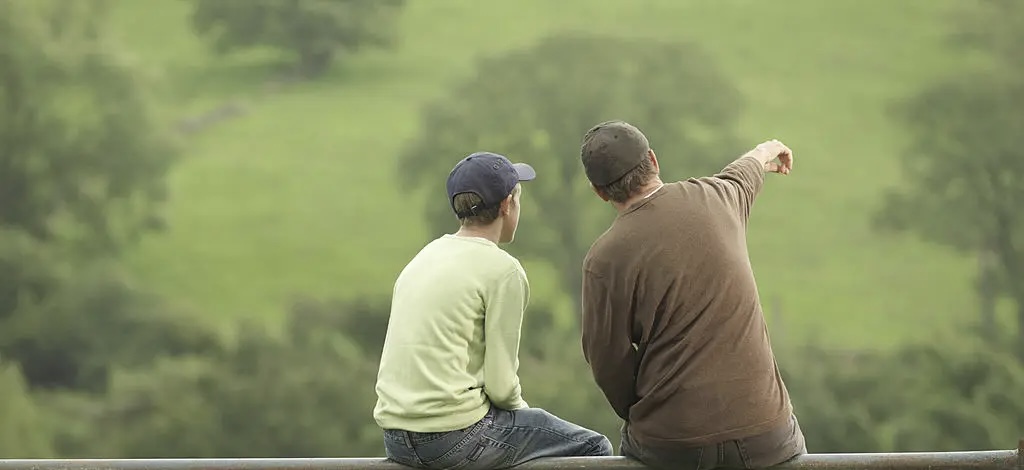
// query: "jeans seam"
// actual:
[[550, 431], [509, 449], [743, 453], [593, 447], [453, 450]]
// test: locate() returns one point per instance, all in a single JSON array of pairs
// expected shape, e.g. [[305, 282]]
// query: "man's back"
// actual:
[[672, 277], [432, 368]]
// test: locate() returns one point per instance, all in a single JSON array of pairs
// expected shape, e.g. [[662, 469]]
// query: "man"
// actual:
[[672, 324], [448, 386]]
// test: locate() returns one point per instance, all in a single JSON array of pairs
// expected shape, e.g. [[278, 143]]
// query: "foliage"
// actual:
[[534, 105], [926, 397], [80, 176], [82, 159], [964, 183], [90, 321], [22, 433], [315, 30], [307, 393], [993, 26]]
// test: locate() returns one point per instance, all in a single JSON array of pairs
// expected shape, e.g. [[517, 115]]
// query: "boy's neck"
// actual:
[[490, 232]]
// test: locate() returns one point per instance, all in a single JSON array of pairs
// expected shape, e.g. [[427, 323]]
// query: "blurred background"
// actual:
[[204, 204]]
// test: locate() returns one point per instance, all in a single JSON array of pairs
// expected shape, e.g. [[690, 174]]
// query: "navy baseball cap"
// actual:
[[488, 175]]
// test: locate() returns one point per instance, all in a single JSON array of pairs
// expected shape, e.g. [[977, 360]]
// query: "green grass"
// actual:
[[298, 196]]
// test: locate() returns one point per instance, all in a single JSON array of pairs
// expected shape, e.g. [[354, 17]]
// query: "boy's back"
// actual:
[[448, 392], [432, 367]]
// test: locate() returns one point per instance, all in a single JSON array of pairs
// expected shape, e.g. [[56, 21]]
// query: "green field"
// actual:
[[298, 196]]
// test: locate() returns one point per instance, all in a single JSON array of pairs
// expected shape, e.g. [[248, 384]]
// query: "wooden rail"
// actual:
[[979, 460]]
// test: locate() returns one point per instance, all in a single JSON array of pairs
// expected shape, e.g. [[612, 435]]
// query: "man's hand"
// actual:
[[772, 150]]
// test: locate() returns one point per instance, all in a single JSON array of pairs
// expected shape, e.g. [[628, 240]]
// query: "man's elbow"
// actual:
[[622, 412], [621, 399]]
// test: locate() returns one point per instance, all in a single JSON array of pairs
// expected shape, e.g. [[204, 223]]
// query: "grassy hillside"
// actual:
[[297, 196]]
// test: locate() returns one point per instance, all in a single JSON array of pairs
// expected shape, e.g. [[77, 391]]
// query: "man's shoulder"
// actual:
[[605, 247]]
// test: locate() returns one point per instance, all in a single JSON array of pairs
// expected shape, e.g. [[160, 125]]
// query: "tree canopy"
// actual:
[[314, 30], [963, 178], [535, 104]]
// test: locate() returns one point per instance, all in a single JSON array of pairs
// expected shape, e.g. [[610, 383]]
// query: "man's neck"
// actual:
[[646, 191]]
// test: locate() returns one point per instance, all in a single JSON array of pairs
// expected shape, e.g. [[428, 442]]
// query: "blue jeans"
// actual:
[[500, 440], [764, 450]]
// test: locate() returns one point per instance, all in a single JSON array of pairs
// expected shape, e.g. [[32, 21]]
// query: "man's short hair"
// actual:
[[465, 202], [615, 159]]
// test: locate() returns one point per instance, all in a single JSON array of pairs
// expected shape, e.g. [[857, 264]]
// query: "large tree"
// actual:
[[83, 159], [82, 165], [964, 171], [535, 105], [314, 30]]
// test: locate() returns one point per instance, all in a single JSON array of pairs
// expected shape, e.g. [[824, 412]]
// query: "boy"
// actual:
[[448, 386]]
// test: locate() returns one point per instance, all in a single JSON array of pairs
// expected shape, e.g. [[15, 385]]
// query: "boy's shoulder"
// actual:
[[467, 254]]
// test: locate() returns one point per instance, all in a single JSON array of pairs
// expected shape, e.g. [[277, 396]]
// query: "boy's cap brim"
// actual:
[[525, 172]]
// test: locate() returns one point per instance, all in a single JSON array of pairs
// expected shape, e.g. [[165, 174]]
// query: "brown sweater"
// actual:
[[672, 324]]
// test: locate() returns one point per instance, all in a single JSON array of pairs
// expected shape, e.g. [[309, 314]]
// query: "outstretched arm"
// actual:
[[740, 181]]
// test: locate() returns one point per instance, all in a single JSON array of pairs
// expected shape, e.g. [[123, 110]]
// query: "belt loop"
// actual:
[[408, 439]]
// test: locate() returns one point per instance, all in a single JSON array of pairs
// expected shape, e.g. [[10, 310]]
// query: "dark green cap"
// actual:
[[610, 149]]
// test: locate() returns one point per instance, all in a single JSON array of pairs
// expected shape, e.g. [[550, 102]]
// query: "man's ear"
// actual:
[[600, 194], [654, 159]]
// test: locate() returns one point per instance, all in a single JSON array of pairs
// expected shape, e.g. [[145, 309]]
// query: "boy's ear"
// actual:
[[506, 205], [600, 194]]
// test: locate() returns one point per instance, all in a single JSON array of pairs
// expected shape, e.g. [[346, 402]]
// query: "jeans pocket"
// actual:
[[445, 452], [396, 449], [488, 453]]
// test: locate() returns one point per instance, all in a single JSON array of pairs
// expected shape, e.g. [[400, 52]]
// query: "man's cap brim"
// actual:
[[525, 172]]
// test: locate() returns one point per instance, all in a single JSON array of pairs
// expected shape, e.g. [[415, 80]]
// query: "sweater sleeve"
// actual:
[[503, 322], [739, 183], [607, 344]]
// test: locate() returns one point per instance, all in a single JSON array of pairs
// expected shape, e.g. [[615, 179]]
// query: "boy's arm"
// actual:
[[503, 323]]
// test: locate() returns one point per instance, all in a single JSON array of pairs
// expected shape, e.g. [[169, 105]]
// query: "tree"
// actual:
[[965, 168], [943, 396], [993, 26], [315, 30], [535, 105], [305, 393], [83, 159], [92, 322]]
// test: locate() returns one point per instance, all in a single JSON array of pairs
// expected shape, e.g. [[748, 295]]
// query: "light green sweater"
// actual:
[[452, 344]]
